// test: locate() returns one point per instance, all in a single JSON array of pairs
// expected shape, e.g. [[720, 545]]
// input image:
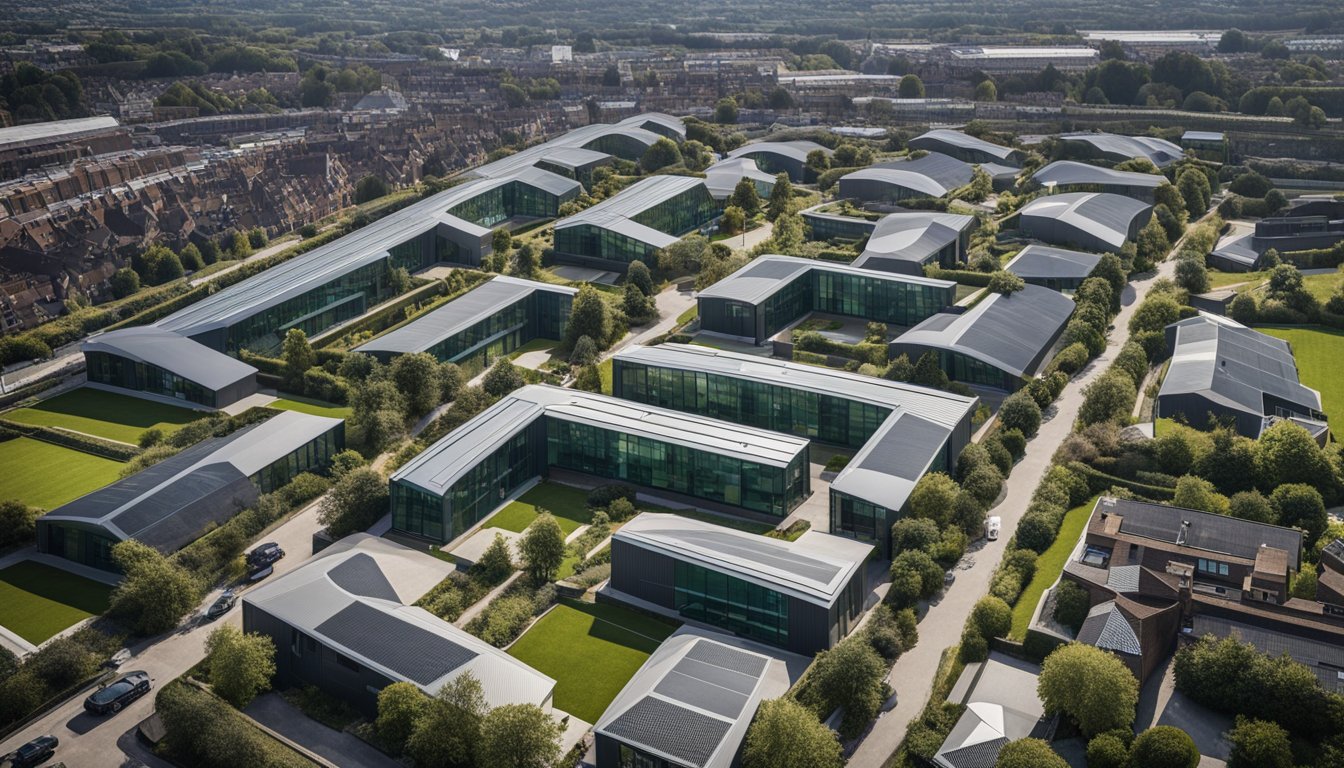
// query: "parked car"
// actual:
[[993, 525], [35, 752], [259, 574], [221, 605], [116, 695], [264, 555]]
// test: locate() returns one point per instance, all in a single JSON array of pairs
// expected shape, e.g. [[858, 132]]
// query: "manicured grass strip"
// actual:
[[1322, 286], [38, 601], [1049, 565], [1320, 362], [1223, 279], [604, 372], [535, 345], [591, 650], [688, 315], [44, 475], [104, 414], [569, 505], [311, 407]]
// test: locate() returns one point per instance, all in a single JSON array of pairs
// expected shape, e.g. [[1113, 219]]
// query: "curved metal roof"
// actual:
[[1160, 151], [171, 352], [1045, 262], [793, 150], [1102, 215], [767, 274], [1064, 172], [912, 236], [722, 177], [931, 140], [617, 213]]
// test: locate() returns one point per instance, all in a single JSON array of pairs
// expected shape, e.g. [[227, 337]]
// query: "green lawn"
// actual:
[[1322, 286], [591, 651], [104, 414], [1049, 565], [1223, 279], [535, 345], [313, 407], [44, 475], [1320, 362], [569, 505], [37, 601], [688, 315], [965, 290], [604, 371]]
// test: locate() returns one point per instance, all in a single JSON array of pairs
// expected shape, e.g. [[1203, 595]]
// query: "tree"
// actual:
[[584, 352], [502, 378], [1021, 412], [1192, 275], [638, 308], [155, 593], [1112, 270], [1006, 283], [920, 563], [518, 736], [1109, 398], [733, 221], [1163, 746], [370, 188], [239, 246], [1152, 245], [928, 372], [191, 258], [1107, 750], [780, 99], [785, 734], [589, 316], [210, 252], [354, 503], [542, 547], [447, 733], [400, 706], [124, 282], [1195, 190], [745, 197], [241, 666], [496, 562], [933, 497], [256, 237], [991, 617], [638, 274], [501, 240], [1029, 753], [1300, 506], [1234, 41], [1259, 744], [417, 377], [18, 524], [986, 91], [1090, 686], [817, 162], [788, 232], [911, 87], [849, 675], [1071, 604], [683, 256], [1197, 493], [781, 197], [611, 77], [299, 357], [1288, 454], [725, 111], [661, 154], [1252, 505], [526, 261], [914, 533]]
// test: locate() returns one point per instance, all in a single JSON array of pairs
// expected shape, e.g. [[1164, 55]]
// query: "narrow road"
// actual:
[[940, 628]]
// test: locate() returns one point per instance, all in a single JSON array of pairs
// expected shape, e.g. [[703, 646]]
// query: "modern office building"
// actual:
[[690, 705], [1222, 369], [343, 279], [636, 222], [933, 175], [966, 148], [1055, 268], [781, 157], [1110, 146], [574, 163], [544, 430], [759, 300], [1073, 176], [1208, 145], [489, 321], [833, 226], [901, 431], [343, 622], [1001, 342], [803, 596], [722, 178], [1299, 230], [904, 243], [628, 139], [157, 365], [1094, 221], [172, 503]]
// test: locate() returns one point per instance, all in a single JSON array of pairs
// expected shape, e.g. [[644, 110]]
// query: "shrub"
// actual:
[[1090, 686], [974, 647], [1106, 750], [1020, 411], [1258, 744], [1164, 746], [1072, 603], [604, 495], [1022, 562], [1029, 753], [1109, 398], [984, 483], [850, 675], [400, 706], [1071, 359], [883, 633], [1014, 441], [1007, 586], [914, 533], [991, 617], [504, 619], [1035, 532], [999, 455]]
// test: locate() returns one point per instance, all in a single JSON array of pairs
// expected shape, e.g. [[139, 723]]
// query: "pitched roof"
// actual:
[[1006, 331], [1102, 215], [980, 733], [1046, 262], [814, 568], [933, 175], [1217, 534], [353, 597], [1239, 367], [1107, 627], [1238, 249], [617, 213], [579, 138], [171, 352], [767, 274], [54, 129]]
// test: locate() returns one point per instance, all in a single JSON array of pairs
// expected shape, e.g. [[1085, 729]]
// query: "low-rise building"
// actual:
[[722, 178], [1073, 176], [781, 156], [965, 147], [158, 365], [1094, 221], [1055, 268], [1117, 148], [908, 241], [636, 222]]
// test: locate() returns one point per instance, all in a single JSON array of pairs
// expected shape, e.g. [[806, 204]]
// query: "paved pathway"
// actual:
[[940, 628], [341, 748]]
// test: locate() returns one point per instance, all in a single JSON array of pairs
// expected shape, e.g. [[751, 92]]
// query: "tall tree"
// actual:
[[1092, 687], [518, 736], [447, 734], [785, 734], [417, 377], [299, 357], [781, 197], [241, 666], [542, 547], [155, 593], [589, 316], [745, 197]]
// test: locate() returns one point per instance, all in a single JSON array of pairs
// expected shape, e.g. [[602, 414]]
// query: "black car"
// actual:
[[35, 752], [222, 604], [113, 696], [264, 555]]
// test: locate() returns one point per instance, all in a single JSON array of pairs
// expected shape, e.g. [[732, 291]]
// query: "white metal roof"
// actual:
[[765, 275], [171, 352]]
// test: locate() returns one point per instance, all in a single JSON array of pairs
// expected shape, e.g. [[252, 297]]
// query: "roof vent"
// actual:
[[1181, 533]]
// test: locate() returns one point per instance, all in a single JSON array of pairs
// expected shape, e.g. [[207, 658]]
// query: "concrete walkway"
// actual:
[[341, 748], [940, 628]]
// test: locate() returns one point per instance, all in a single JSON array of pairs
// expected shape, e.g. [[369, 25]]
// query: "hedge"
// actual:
[[23, 393], [1100, 481], [963, 276], [108, 449], [810, 341], [1317, 258]]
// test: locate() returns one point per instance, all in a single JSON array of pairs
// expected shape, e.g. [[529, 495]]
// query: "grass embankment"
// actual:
[[1049, 565], [104, 414], [44, 475], [38, 601]]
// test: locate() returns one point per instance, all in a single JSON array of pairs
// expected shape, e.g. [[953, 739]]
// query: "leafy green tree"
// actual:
[[725, 111], [1192, 275], [1090, 686], [1259, 744], [911, 87], [733, 221], [355, 502], [745, 197], [817, 162], [18, 525], [400, 707], [299, 357], [1006, 283], [661, 154], [239, 246], [589, 316], [1109, 398], [1029, 753], [986, 91], [1300, 506], [928, 372], [1021, 412], [155, 593], [446, 735], [519, 736], [526, 261], [1163, 746], [933, 497], [920, 562], [1197, 493], [788, 232], [241, 666], [785, 734], [781, 197], [1252, 505], [542, 547], [991, 617], [638, 273], [501, 240], [370, 188], [1195, 191], [849, 675], [124, 282], [191, 258], [497, 560], [1152, 245], [915, 533], [1112, 270], [1288, 454], [502, 378], [346, 462], [416, 375], [256, 237], [1071, 604]]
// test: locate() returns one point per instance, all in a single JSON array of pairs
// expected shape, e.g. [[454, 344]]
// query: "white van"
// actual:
[[992, 526]]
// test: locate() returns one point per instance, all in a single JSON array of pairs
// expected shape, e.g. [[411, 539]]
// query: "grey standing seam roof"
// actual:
[[1065, 172], [1007, 332], [963, 141], [413, 652], [1214, 533], [577, 139], [1225, 361], [1160, 151], [171, 352], [54, 129], [458, 315], [794, 150], [911, 236], [685, 734], [1103, 215], [934, 175], [722, 177], [1047, 262], [617, 213], [763, 277], [1238, 249]]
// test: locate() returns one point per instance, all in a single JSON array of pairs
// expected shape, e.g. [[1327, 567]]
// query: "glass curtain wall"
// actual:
[[726, 601], [680, 213], [117, 371], [314, 455], [314, 311]]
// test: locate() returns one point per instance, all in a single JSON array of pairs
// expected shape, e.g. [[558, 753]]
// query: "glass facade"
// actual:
[[667, 466], [733, 604], [117, 371], [680, 213], [506, 201], [814, 415], [634, 758], [967, 369], [859, 519], [312, 456], [81, 546], [674, 216], [831, 228], [539, 315], [596, 242], [620, 145]]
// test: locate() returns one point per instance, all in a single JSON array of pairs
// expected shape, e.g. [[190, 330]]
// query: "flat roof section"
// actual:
[[1045, 263], [887, 467], [171, 352], [458, 315], [444, 462], [815, 568], [758, 280], [53, 130]]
